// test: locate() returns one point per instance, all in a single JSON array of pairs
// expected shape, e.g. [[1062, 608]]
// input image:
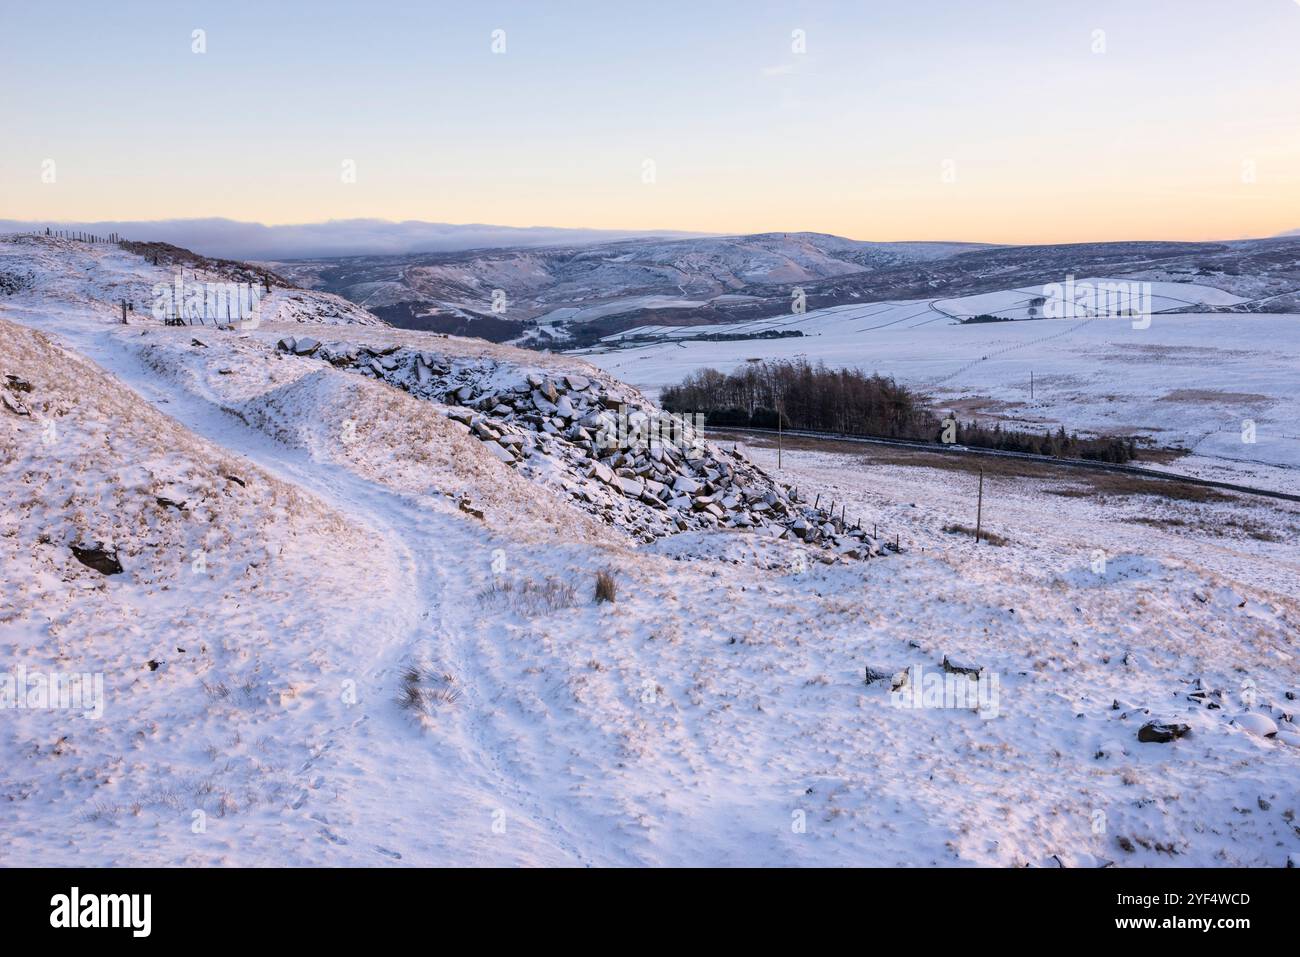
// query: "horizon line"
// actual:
[[629, 233]]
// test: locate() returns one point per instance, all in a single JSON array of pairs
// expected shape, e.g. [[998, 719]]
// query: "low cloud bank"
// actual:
[[231, 239]]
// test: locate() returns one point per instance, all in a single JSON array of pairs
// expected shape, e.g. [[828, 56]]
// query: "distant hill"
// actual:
[[574, 295], [544, 290], [232, 239]]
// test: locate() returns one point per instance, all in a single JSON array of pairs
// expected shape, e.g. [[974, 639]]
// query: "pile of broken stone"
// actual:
[[613, 452]]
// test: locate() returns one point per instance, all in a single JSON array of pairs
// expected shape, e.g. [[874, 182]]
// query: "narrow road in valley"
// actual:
[[1047, 460]]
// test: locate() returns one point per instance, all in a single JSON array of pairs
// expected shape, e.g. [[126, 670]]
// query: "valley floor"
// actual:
[[1221, 385]]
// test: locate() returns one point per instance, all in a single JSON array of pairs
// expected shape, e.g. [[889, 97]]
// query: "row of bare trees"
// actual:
[[808, 397], [798, 394]]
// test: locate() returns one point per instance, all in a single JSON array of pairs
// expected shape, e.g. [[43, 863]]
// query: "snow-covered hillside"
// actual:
[[573, 296], [346, 631], [564, 286], [848, 320], [100, 277]]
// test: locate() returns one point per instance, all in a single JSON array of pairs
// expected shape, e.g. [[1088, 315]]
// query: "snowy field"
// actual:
[[913, 313], [257, 705], [1190, 380]]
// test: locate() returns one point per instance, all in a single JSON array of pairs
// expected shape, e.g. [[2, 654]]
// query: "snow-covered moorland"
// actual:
[[346, 631], [1221, 385]]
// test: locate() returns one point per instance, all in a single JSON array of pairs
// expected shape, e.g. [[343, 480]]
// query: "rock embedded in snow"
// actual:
[[14, 404], [601, 472], [498, 450], [958, 667], [543, 405], [1155, 732], [101, 559], [422, 374], [1110, 748], [1257, 724]]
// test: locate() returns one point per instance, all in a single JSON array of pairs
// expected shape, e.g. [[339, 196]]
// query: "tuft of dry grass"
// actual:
[[411, 697], [606, 588], [423, 690], [1216, 526], [993, 538], [216, 691], [1114, 483], [531, 598], [1214, 395]]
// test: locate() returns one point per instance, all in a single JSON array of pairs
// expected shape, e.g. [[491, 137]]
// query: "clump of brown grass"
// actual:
[[993, 538], [606, 588], [531, 598]]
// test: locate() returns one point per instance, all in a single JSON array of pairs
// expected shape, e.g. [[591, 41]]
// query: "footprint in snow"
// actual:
[[388, 853]]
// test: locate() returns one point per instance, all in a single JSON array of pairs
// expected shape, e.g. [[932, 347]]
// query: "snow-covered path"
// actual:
[[419, 614]]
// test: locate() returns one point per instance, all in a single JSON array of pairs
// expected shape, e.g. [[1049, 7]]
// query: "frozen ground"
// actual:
[[373, 676], [1189, 380]]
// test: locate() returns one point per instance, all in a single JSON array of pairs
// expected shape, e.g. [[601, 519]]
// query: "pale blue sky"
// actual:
[[1047, 138]]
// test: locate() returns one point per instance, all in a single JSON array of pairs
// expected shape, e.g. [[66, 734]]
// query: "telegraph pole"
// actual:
[[776, 401]]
